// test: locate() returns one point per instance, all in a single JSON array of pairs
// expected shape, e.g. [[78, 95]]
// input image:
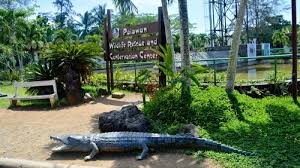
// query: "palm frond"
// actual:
[[125, 6]]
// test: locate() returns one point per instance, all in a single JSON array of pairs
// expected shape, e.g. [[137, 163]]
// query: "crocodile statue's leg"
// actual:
[[144, 153], [95, 150]]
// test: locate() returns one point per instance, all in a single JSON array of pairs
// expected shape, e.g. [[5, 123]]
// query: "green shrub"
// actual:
[[169, 107], [11, 76], [211, 104], [160, 127], [97, 79]]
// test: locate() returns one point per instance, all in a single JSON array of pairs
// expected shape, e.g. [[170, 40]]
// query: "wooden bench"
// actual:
[[52, 97]]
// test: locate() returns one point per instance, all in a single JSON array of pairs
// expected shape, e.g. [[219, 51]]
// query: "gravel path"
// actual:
[[24, 134]]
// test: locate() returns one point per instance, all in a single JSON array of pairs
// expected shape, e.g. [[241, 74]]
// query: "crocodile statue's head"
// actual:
[[71, 143]]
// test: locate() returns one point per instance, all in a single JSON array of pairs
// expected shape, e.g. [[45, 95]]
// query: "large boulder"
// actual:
[[129, 118]]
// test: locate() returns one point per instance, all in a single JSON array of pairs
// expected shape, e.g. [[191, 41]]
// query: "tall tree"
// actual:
[[64, 36], [231, 72], [65, 8], [13, 28], [168, 28], [198, 41], [36, 39], [184, 41], [280, 38], [99, 14], [259, 14], [125, 6], [86, 22]]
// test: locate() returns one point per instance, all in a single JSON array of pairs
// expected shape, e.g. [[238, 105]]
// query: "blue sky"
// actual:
[[198, 11]]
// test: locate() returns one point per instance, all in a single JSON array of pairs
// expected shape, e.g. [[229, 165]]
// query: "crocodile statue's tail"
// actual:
[[212, 145]]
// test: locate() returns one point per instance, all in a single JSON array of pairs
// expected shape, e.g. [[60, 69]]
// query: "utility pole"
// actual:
[[294, 46]]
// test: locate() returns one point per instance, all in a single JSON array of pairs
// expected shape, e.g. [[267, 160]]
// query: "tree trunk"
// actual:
[[35, 56], [295, 50], [168, 30], [61, 17], [21, 65], [73, 86], [184, 39], [231, 71]]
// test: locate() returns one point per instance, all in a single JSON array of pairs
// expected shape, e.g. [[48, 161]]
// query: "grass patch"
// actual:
[[270, 126], [97, 91], [9, 90]]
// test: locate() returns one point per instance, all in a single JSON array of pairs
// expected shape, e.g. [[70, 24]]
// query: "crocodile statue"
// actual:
[[126, 141]]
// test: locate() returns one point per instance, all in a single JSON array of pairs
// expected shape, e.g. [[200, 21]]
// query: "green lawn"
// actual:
[[10, 91], [270, 127]]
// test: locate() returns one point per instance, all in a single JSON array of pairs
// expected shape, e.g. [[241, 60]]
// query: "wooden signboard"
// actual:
[[146, 28], [133, 43]]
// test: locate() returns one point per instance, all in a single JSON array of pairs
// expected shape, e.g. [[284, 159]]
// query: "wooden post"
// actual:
[[294, 46], [106, 55], [111, 67], [162, 42]]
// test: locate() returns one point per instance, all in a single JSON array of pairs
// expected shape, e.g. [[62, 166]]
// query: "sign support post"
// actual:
[[106, 55], [162, 42], [295, 51], [111, 68]]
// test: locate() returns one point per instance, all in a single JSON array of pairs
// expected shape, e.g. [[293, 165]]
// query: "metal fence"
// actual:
[[128, 72], [220, 65]]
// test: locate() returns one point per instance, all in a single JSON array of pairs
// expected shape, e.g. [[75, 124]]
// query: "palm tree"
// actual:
[[198, 41], [64, 35], [86, 22], [13, 28], [168, 27], [125, 6], [64, 7], [231, 71], [99, 14], [7, 60], [184, 42], [36, 39], [76, 62]]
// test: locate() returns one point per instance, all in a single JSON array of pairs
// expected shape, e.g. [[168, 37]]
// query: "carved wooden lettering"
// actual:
[[133, 43]]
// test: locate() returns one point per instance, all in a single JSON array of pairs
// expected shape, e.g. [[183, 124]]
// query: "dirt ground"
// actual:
[[24, 134]]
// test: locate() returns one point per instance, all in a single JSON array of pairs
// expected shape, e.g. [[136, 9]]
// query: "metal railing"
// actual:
[[214, 65], [271, 57]]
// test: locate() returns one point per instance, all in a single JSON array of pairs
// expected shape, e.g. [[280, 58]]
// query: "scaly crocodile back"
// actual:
[[160, 140], [213, 145]]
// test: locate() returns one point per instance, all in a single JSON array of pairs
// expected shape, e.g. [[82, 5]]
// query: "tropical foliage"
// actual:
[[79, 57], [281, 38], [175, 77], [125, 6], [76, 62]]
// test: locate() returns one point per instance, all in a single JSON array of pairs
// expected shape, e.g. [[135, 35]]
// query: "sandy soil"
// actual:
[[24, 134]]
